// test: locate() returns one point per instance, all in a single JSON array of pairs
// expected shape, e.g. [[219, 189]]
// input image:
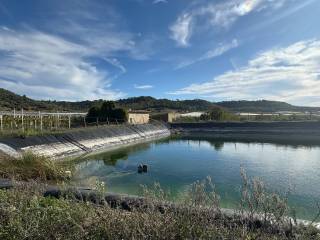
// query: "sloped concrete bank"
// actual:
[[305, 132], [84, 141]]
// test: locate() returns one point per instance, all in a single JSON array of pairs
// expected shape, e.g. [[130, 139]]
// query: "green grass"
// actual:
[[31, 167]]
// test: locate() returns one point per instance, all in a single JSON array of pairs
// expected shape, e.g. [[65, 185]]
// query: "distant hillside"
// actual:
[[10, 100], [150, 103], [263, 106]]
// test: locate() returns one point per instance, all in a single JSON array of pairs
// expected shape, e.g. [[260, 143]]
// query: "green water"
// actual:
[[177, 163]]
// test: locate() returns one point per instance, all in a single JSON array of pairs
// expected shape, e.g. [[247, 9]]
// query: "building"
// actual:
[[138, 117], [166, 117]]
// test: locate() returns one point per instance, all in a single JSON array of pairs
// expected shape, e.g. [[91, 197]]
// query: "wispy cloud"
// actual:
[[159, 1], [70, 58], [49, 67], [143, 87], [181, 30], [289, 74], [116, 63], [218, 51], [221, 15]]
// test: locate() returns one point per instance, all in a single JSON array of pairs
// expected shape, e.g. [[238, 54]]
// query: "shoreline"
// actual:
[[125, 201], [81, 142]]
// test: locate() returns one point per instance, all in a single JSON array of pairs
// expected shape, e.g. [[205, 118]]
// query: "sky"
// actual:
[[217, 50]]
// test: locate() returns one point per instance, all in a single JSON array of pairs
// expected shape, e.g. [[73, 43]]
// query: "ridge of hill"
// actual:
[[10, 100]]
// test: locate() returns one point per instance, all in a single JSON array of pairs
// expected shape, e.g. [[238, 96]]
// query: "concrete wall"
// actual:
[[84, 141], [295, 132], [138, 118], [298, 126]]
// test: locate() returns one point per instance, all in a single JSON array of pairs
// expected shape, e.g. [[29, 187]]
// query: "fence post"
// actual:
[[1, 123], [57, 121], [41, 122], [97, 121], [69, 118], [84, 120], [22, 120]]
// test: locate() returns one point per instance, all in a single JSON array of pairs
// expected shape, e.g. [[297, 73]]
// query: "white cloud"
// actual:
[[221, 15], [116, 63], [220, 50], [49, 67], [159, 1], [181, 29], [288, 74], [143, 87]]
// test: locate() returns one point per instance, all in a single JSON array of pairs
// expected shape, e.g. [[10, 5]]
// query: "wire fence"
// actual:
[[26, 122]]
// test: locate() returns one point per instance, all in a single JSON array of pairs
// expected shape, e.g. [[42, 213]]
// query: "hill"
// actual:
[[10, 100], [153, 104], [263, 106]]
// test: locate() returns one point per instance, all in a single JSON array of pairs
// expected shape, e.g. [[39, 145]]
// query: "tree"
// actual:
[[107, 112], [106, 109], [120, 115], [93, 113], [218, 114]]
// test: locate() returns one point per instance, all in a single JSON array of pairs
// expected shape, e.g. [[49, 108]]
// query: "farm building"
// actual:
[[166, 117], [138, 117]]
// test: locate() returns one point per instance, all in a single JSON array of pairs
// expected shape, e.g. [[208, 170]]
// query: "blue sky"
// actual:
[[215, 50]]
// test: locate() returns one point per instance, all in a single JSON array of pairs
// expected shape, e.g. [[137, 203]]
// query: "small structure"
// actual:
[[166, 117], [138, 117]]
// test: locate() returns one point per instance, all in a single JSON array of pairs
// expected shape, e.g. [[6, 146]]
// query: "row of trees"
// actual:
[[107, 112], [218, 114]]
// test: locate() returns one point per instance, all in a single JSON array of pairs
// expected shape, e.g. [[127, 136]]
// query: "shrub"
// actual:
[[219, 114], [25, 214]]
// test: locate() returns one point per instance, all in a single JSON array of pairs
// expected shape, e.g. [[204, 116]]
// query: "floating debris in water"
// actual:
[[142, 168]]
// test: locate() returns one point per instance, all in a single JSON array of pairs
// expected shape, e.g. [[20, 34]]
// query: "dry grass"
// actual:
[[30, 167], [25, 214]]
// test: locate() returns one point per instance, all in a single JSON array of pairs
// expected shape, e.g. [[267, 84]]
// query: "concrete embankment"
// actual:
[[306, 132], [83, 141]]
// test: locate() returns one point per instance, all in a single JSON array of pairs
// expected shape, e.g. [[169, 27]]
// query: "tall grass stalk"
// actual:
[[31, 167]]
